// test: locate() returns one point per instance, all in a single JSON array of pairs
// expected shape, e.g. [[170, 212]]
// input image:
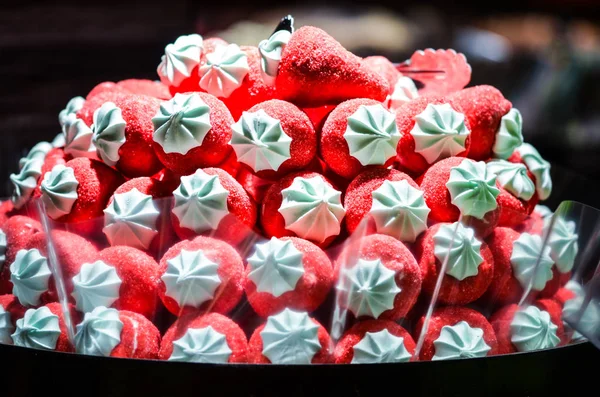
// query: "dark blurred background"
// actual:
[[544, 55]]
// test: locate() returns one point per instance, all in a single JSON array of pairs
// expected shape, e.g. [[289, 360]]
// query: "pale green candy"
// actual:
[[30, 276], [109, 132], [38, 329], [458, 244], [6, 327], [563, 242], [405, 90], [59, 191], [26, 181], [380, 347], [97, 284], [513, 178], [201, 345], [460, 341], [78, 139], [532, 329], [509, 135], [473, 189], [99, 332], [224, 70], [270, 53], [180, 59], [539, 167], [74, 105], [531, 261], [38, 151]]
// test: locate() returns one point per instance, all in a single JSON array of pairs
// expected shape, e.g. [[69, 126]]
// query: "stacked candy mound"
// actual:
[[189, 219]]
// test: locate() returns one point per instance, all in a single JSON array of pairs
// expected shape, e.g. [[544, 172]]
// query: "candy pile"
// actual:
[[188, 219]]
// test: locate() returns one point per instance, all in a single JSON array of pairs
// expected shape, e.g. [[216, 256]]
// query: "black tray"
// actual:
[[565, 371]]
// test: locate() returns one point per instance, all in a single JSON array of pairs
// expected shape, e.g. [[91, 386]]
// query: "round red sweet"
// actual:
[[385, 68], [272, 221], [209, 45], [359, 194], [234, 227], [513, 210], [316, 70], [483, 107], [296, 124], [438, 198], [452, 291], [533, 224], [230, 271], [6, 211], [395, 256], [71, 252], [405, 119], [344, 350], [151, 88], [54, 157], [253, 185], [139, 337], [234, 336], [318, 115], [563, 295], [140, 277], [334, 148], [63, 343], [13, 307], [323, 356], [106, 86], [94, 102], [167, 178], [451, 316], [310, 290], [215, 146], [146, 185]]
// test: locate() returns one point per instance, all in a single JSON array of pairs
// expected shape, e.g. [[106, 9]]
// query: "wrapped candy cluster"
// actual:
[[229, 211]]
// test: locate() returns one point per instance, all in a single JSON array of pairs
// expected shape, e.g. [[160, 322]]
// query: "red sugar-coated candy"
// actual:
[[215, 146], [234, 336], [107, 86], [151, 88], [6, 211], [317, 70], [452, 315], [94, 102], [408, 158], [438, 199], [395, 256], [385, 68], [563, 295], [209, 45], [452, 291], [456, 71], [318, 115], [359, 194], [310, 290], [296, 124], [533, 224], [555, 311], [140, 277], [323, 356], [168, 179], [11, 305], [483, 106], [235, 226], [139, 337], [71, 251], [334, 147], [255, 187], [54, 157], [272, 221], [344, 350], [147, 185], [513, 210], [230, 272], [63, 343]]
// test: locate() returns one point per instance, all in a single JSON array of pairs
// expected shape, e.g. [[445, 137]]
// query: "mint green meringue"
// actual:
[[26, 181], [458, 244], [405, 90], [224, 70], [583, 313], [30, 276], [439, 132], [275, 267], [38, 329], [539, 167], [509, 135], [460, 341], [191, 278], [59, 191], [380, 347], [79, 139], [532, 329], [200, 202], [38, 151], [531, 261], [74, 105], [6, 327], [180, 59], [109, 132], [399, 210], [290, 337], [312, 209], [181, 123], [97, 284], [513, 178], [259, 141], [563, 242], [270, 54], [201, 345], [370, 288], [473, 189], [99, 332], [372, 135]]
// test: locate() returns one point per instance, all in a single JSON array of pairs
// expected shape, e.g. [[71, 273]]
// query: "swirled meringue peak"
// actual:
[[460, 341], [439, 132], [180, 59], [26, 181], [370, 288], [6, 327], [312, 209], [399, 210], [532, 329], [97, 284], [191, 278], [79, 138], [372, 135], [130, 219], [38, 151], [109, 132], [200, 202], [30, 276], [473, 189], [458, 244], [73, 106], [181, 123], [539, 167], [380, 347], [38, 329], [201, 345], [270, 54], [509, 135], [276, 266], [99, 332], [224, 71], [531, 261], [290, 338], [585, 319], [563, 242], [405, 90], [59, 191], [513, 178], [259, 141]]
